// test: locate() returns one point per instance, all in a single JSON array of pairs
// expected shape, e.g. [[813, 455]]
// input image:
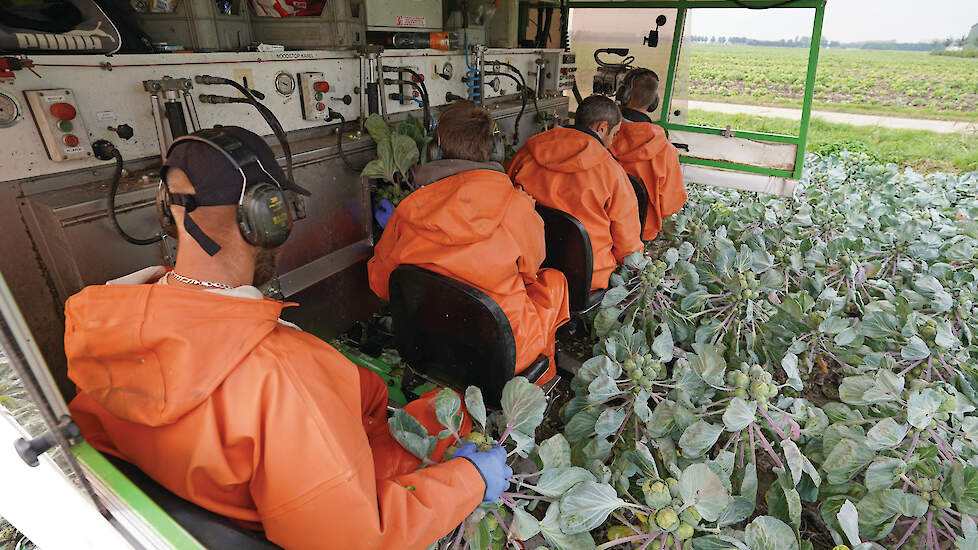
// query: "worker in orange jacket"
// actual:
[[469, 222], [570, 169], [645, 152], [190, 375]]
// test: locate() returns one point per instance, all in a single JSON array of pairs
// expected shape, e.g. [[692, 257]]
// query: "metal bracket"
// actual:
[[31, 450]]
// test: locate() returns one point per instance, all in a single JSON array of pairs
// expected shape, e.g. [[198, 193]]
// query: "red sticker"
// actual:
[[409, 21]]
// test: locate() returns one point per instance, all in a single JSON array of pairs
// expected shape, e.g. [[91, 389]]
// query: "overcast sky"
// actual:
[[847, 21]]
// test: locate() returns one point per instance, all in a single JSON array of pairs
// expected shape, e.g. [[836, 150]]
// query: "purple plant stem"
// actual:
[[662, 543], [675, 543], [525, 497], [944, 516], [624, 540], [943, 446], [913, 445], [953, 511], [930, 365], [649, 541], [753, 450], [946, 524], [458, 538], [929, 533], [907, 534], [767, 447], [729, 441], [770, 421], [910, 368], [507, 530]]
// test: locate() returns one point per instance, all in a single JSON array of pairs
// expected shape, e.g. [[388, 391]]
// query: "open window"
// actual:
[[610, 37]]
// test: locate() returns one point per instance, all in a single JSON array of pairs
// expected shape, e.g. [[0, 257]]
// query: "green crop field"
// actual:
[[913, 84]]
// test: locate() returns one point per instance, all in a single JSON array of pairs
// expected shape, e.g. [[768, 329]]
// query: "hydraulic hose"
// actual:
[[339, 141], [113, 191], [522, 89]]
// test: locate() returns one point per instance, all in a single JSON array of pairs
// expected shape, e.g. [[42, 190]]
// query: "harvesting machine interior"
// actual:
[[83, 131]]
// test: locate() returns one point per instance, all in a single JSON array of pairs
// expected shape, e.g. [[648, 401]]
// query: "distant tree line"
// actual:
[[965, 42]]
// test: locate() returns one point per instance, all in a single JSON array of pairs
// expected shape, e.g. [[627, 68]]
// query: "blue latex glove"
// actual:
[[491, 465], [383, 212]]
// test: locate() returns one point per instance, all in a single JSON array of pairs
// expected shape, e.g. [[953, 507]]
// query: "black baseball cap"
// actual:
[[216, 177]]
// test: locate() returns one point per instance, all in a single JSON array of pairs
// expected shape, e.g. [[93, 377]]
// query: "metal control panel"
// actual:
[[62, 130], [313, 90], [568, 71]]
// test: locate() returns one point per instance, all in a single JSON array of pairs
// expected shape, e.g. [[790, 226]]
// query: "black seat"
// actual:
[[569, 251], [642, 194], [454, 333], [212, 530]]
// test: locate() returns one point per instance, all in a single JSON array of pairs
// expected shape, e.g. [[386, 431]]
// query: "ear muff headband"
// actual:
[[624, 93], [264, 219]]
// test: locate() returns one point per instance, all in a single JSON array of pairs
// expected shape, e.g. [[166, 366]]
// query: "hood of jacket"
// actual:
[[567, 150], [463, 208], [639, 141], [151, 353], [430, 172]]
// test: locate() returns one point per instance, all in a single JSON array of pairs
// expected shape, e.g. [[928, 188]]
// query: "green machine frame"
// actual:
[[683, 6]]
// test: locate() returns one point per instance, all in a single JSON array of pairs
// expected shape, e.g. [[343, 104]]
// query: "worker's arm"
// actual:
[[622, 209], [526, 227], [384, 262], [316, 485], [673, 190]]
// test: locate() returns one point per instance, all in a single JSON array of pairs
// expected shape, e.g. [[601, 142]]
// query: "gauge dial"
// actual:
[[285, 83], [9, 110]]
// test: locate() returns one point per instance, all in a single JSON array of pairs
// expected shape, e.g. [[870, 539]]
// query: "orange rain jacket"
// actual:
[[228, 408], [480, 229], [645, 153], [571, 171]]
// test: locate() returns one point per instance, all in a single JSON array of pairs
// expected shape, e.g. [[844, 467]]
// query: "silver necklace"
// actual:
[[195, 282]]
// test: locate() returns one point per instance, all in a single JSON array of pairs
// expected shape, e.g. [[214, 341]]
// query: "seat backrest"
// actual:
[[212, 530], [569, 251], [451, 331], [642, 194]]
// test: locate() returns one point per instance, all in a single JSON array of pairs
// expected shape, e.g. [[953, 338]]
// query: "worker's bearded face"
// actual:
[[266, 265]]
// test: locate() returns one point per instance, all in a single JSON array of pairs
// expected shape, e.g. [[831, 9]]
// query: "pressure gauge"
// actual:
[[284, 83], [9, 110]]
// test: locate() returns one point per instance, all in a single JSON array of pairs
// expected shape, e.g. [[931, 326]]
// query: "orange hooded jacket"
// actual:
[[571, 171], [644, 152], [220, 403], [478, 228]]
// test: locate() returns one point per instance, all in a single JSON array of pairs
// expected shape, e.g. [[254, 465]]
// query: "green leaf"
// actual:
[[405, 153], [523, 405], [663, 419], [768, 533], [883, 473], [915, 350], [847, 459], [581, 425], [609, 421], [555, 452], [637, 260], [377, 128], [880, 325], [606, 321], [375, 169], [448, 410], [790, 366], [737, 510], [663, 345], [922, 406], [739, 414], [885, 434], [475, 405], [586, 506], [555, 536], [554, 482], [614, 296], [411, 434], [526, 526], [700, 487], [848, 518], [699, 438], [602, 389]]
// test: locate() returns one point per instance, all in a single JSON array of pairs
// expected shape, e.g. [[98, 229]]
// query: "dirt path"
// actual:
[[939, 126]]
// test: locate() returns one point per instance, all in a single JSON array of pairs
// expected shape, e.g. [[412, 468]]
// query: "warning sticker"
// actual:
[[410, 21], [105, 115], [73, 150], [54, 98]]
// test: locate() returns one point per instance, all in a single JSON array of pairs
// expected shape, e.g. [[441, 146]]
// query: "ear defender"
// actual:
[[263, 216]]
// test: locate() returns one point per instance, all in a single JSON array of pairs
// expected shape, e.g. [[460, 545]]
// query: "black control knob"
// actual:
[[124, 131]]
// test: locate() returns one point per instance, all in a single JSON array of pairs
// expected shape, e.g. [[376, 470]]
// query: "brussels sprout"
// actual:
[[759, 390], [667, 519], [691, 516], [477, 438], [949, 405], [767, 378], [684, 531], [742, 380], [741, 393], [756, 372]]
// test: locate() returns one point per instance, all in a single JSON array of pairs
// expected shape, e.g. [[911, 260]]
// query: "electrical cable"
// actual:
[[424, 96], [522, 89], [113, 191], [339, 142], [526, 89], [545, 35]]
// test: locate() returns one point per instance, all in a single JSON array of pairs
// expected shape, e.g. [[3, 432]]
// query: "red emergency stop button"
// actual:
[[321, 86], [320, 106], [71, 140], [63, 111]]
